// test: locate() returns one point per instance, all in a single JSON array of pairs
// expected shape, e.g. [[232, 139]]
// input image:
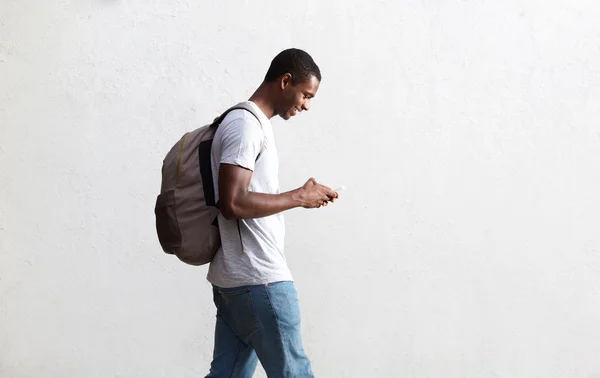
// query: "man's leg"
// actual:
[[232, 357], [278, 341]]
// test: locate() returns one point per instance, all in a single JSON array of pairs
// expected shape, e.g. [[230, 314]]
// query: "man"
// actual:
[[258, 316]]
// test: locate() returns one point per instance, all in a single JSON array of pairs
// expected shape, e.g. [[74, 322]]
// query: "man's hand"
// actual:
[[314, 195], [237, 202]]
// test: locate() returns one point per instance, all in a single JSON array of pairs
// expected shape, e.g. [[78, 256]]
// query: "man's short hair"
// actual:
[[296, 62]]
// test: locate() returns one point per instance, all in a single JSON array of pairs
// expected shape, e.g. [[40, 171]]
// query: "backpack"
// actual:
[[186, 211]]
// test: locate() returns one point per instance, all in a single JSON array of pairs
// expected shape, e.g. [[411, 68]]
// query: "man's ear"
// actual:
[[286, 80]]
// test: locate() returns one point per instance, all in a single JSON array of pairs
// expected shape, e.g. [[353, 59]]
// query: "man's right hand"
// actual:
[[314, 195]]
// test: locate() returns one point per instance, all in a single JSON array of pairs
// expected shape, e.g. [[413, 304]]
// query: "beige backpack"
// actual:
[[186, 211]]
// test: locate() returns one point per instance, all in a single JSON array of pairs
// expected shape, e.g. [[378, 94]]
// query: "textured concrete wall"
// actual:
[[467, 133]]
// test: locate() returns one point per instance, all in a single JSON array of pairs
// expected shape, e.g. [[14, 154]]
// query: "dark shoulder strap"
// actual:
[[217, 121], [248, 108]]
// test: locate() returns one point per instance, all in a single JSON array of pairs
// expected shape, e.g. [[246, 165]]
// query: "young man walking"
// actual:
[[258, 316]]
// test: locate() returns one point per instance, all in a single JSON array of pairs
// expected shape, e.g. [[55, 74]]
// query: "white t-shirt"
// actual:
[[252, 249]]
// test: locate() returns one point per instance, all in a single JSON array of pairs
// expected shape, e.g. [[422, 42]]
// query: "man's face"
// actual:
[[296, 98]]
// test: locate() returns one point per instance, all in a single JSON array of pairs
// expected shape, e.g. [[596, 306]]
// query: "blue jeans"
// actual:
[[258, 323]]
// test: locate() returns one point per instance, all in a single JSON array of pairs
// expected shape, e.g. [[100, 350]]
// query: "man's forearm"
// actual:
[[258, 205]]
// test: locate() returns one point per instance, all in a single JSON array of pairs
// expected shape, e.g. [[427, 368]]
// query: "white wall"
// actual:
[[467, 133]]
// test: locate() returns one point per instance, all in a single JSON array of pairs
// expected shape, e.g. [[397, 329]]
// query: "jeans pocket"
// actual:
[[234, 291], [236, 307]]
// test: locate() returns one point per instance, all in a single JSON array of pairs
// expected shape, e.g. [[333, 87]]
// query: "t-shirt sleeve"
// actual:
[[241, 141]]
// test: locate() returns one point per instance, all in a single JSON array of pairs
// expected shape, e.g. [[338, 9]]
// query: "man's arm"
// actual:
[[237, 202]]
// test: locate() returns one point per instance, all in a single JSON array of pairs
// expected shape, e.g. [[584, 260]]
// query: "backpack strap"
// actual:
[[217, 121]]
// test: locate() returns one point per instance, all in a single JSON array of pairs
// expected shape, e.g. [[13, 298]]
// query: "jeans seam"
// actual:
[[227, 324], [283, 345], [237, 362], [255, 318]]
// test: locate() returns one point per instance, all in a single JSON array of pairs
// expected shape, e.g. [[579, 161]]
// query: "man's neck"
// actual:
[[262, 99]]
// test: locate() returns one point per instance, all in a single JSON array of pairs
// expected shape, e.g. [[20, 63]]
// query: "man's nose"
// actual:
[[306, 105]]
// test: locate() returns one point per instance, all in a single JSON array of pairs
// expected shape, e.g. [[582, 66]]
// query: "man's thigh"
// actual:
[[278, 340], [232, 356]]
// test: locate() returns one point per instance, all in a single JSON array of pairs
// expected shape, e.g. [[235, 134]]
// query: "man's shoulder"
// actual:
[[240, 123], [240, 116]]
